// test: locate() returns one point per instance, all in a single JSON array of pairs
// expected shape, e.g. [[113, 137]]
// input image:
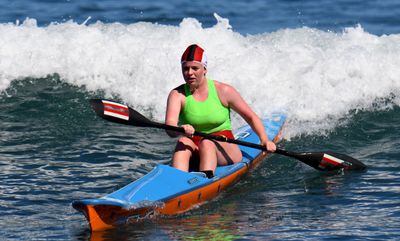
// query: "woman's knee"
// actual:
[[207, 144], [185, 140], [185, 143]]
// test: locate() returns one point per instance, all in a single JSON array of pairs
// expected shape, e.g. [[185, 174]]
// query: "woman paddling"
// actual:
[[204, 105]]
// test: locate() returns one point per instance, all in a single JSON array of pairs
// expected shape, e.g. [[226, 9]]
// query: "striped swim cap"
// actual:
[[194, 53]]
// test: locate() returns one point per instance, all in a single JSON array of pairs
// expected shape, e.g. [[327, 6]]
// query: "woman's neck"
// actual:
[[201, 92]]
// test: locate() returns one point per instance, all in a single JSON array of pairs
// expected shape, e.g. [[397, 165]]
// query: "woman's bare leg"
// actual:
[[221, 153], [183, 152]]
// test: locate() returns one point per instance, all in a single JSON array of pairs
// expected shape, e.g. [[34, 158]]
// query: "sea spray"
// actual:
[[318, 77]]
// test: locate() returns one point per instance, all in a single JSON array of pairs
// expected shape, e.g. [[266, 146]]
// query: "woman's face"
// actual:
[[193, 73]]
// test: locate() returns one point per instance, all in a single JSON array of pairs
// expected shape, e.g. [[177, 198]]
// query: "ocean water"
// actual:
[[332, 66]]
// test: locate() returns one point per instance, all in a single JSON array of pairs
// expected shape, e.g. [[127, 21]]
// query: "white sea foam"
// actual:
[[317, 77]]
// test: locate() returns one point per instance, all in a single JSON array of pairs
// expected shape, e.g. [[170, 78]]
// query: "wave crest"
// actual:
[[318, 77]]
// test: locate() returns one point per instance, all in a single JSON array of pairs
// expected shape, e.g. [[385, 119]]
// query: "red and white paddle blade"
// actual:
[[115, 110]]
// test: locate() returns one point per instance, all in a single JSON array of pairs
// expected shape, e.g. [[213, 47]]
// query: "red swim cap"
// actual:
[[194, 53]]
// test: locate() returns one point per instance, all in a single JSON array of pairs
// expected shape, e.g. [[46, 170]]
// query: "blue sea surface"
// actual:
[[246, 17], [332, 66]]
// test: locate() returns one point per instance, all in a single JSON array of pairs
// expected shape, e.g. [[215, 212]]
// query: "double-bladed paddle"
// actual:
[[324, 161]]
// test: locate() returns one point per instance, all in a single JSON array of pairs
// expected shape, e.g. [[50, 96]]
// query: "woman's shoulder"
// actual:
[[226, 93], [177, 94], [223, 88], [179, 90]]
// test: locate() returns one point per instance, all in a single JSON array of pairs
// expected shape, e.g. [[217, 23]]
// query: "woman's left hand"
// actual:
[[270, 146]]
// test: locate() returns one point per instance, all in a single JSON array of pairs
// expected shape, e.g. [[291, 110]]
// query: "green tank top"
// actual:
[[205, 116]]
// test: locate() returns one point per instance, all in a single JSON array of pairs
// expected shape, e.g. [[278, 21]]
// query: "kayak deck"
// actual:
[[166, 190]]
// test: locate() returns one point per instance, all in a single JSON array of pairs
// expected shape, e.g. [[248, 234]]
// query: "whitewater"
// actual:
[[320, 78]]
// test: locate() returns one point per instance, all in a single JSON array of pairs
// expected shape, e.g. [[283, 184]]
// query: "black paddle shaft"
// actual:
[[324, 161]]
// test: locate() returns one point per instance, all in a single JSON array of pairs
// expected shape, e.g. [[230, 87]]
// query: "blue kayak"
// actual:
[[167, 191]]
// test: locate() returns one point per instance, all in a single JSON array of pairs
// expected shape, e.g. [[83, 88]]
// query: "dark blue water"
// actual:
[[331, 65], [256, 16]]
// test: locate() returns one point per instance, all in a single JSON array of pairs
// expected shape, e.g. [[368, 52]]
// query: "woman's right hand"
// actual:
[[189, 130]]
